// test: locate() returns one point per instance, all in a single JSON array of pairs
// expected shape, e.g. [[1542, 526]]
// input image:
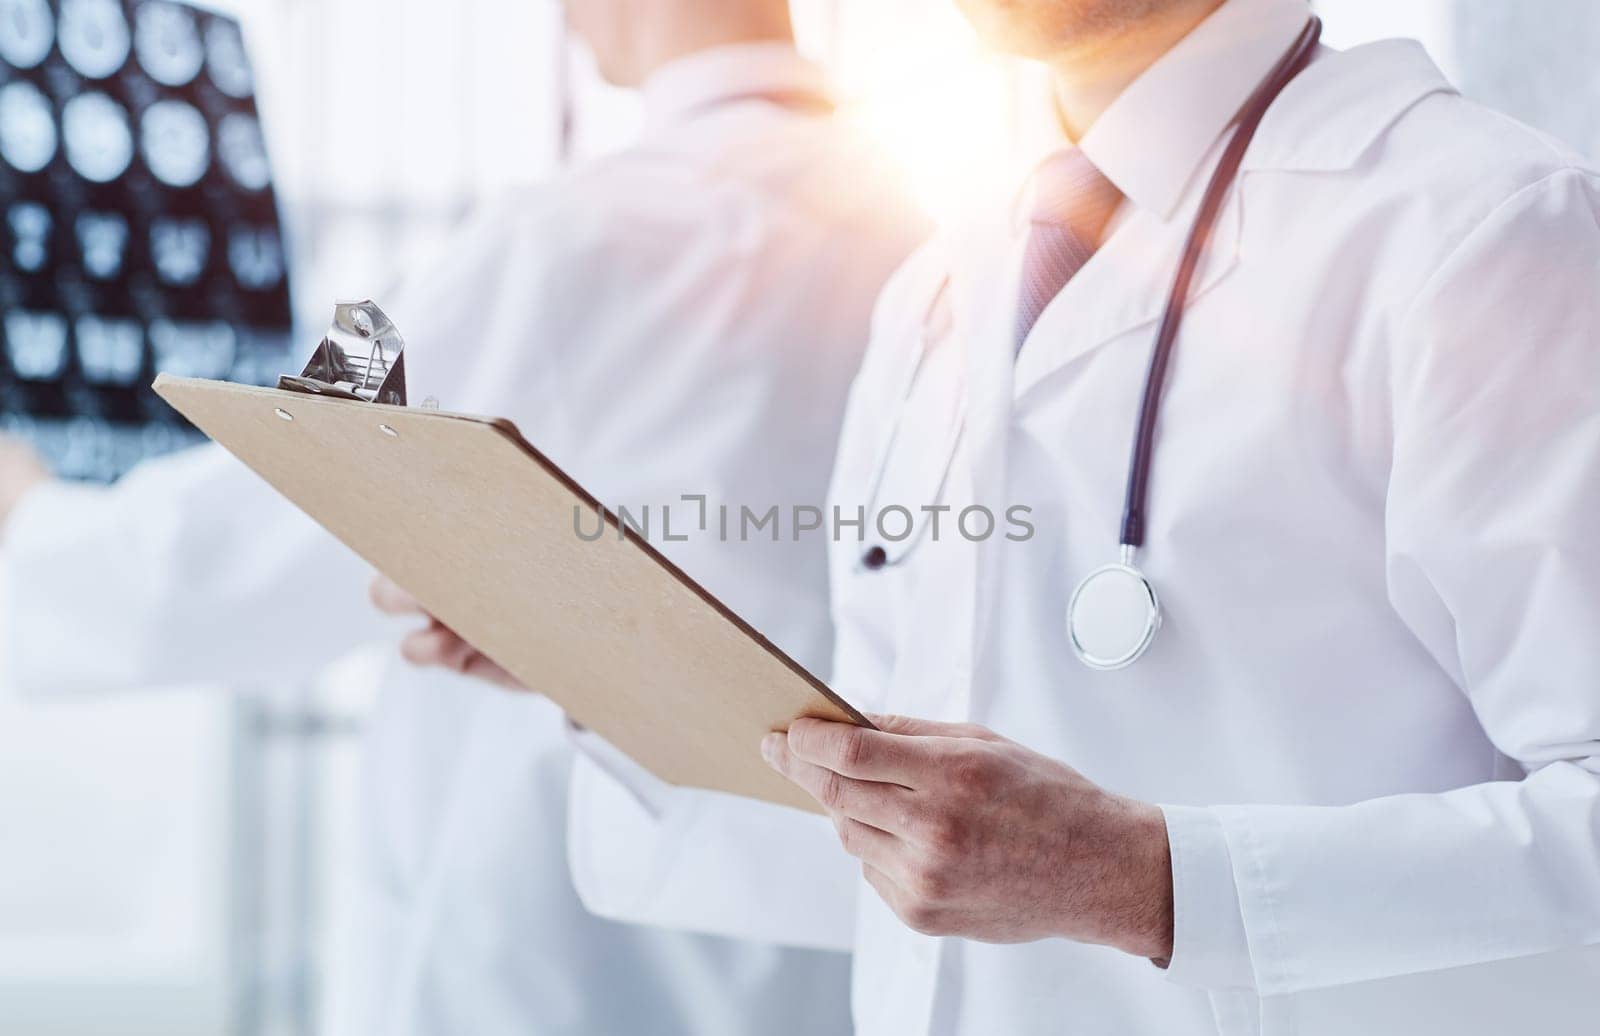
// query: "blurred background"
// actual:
[[171, 858]]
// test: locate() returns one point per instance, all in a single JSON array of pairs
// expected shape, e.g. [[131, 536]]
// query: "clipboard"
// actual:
[[479, 526]]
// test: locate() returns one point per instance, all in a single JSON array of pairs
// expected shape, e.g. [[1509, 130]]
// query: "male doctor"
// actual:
[[683, 316], [1351, 782]]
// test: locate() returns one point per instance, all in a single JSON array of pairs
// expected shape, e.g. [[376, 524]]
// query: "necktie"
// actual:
[[1073, 202]]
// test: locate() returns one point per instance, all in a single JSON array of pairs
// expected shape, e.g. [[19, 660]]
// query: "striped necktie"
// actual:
[[1073, 202]]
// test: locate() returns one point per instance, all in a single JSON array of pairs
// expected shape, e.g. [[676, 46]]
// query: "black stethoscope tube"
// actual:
[[1254, 110]]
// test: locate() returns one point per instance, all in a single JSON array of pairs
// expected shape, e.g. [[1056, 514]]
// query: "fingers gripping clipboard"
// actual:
[[476, 524]]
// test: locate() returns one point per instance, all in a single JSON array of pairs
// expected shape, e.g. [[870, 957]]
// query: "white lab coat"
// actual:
[[682, 317], [1373, 713]]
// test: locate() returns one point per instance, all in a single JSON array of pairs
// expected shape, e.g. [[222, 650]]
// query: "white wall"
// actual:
[[1348, 23], [115, 866], [1539, 61]]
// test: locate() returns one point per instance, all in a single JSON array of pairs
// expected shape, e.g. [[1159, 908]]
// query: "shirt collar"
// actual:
[[1152, 139], [682, 88]]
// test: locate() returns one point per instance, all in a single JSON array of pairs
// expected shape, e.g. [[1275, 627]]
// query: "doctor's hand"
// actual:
[[20, 471], [436, 645], [965, 833]]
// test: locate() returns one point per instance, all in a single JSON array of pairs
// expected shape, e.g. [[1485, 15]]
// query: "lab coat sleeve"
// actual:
[[1492, 563], [190, 569], [1210, 947]]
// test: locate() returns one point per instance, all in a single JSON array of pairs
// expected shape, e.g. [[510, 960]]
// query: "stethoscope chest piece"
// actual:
[[1113, 617]]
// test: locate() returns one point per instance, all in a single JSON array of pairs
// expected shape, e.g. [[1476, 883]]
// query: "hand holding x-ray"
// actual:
[[21, 469]]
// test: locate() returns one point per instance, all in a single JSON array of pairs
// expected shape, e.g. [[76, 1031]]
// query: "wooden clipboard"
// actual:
[[476, 524]]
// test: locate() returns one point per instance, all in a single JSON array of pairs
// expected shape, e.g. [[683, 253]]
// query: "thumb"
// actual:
[[907, 726]]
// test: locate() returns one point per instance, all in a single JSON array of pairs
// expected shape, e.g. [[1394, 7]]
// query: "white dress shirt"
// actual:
[[684, 316], [1373, 712]]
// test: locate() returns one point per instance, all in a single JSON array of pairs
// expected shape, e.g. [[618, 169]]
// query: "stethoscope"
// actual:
[[1115, 613]]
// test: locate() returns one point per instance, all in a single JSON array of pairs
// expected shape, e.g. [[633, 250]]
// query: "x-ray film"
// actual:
[[138, 228]]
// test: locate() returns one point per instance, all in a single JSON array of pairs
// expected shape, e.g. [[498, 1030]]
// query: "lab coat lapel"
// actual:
[[987, 339], [1124, 287]]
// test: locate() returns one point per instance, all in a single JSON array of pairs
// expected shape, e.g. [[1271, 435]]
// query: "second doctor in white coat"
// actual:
[[1371, 720], [682, 316]]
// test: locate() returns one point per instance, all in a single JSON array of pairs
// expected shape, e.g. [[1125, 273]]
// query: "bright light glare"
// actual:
[[948, 114]]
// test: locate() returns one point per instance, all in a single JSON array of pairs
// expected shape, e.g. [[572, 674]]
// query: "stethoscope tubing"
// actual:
[[1222, 181]]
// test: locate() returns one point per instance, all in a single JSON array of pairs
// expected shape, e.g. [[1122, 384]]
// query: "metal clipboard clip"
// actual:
[[360, 358]]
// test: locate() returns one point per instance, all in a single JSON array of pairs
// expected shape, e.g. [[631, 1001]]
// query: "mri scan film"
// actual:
[[138, 228]]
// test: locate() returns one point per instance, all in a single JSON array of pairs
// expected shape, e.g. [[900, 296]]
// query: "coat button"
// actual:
[[875, 559]]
